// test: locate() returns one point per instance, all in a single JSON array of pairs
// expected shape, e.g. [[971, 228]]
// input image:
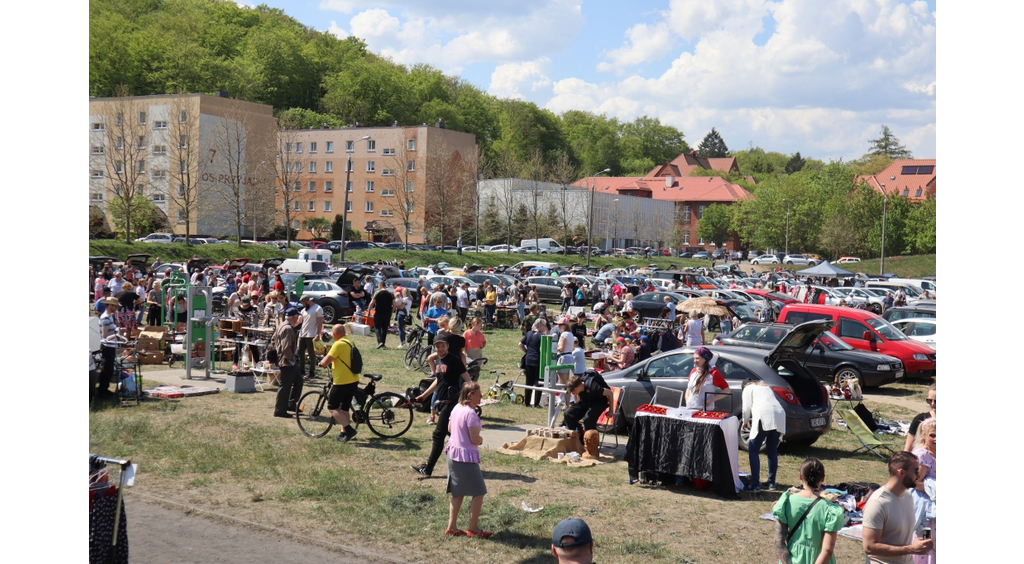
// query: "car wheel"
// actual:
[[331, 309], [847, 372], [875, 309], [802, 443], [744, 437], [789, 262]]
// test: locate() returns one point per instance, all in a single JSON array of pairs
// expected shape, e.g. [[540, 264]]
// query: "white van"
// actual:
[[304, 266], [921, 284], [545, 245]]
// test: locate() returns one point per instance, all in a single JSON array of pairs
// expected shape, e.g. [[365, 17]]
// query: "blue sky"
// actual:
[[788, 75]]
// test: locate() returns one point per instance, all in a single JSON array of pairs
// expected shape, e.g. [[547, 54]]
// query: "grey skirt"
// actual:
[[465, 479]]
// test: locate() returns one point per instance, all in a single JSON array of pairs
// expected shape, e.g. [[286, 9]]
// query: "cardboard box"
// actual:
[[149, 345], [151, 357], [236, 325]]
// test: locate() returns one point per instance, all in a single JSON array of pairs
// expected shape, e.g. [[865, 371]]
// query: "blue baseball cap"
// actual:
[[575, 528], [291, 312]]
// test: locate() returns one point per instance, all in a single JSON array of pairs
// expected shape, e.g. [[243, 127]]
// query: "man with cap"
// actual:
[[449, 376], [572, 542], [311, 328], [285, 343], [101, 305]]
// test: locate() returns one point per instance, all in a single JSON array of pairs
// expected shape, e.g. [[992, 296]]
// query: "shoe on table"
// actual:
[[752, 488], [421, 470]]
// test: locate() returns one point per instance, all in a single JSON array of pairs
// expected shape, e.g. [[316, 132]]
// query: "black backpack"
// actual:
[[356, 357]]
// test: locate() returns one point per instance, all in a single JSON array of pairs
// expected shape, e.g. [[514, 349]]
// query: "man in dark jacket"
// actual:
[[285, 342]]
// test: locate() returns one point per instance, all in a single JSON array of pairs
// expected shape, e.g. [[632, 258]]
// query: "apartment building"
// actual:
[[401, 178], [204, 161]]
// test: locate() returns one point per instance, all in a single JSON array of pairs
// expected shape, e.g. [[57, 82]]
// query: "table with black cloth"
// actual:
[[685, 446]]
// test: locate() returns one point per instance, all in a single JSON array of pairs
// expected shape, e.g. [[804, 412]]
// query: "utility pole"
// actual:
[[344, 210], [885, 202], [590, 223]]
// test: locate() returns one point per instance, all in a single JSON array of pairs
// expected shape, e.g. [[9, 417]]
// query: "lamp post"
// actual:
[[476, 222], [590, 224], [256, 175], [885, 202], [787, 225], [344, 210]]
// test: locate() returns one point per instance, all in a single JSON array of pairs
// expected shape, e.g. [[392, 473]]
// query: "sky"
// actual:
[[789, 75]]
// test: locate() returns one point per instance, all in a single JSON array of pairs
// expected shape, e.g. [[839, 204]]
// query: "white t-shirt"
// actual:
[[462, 297], [893, 515], [761, 405], [580, 359], [312, 318], [405, 303]]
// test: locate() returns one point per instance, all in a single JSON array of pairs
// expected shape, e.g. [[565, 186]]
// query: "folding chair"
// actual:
[[610, 418], [862, 432]]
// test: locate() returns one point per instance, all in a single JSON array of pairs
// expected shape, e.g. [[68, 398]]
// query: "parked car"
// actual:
[[411, 286], [765, 259], [531, 250], [799, 259], [845, 260], [353, 245], [549, 288], [328, 295], [860, 296], [827, 357], [156, 238], [503, 249], [894, 314], [448, 280], [920, 329], [704, 255], [650, 304], [866, 331], [803, 397], [191, 240]]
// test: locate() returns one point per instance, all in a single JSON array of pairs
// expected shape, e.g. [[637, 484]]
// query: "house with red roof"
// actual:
[[913, 179]]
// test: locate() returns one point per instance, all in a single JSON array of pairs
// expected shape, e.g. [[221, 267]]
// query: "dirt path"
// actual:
[[174, 534], [896, 396]]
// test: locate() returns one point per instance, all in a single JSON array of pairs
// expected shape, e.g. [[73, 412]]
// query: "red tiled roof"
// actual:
[[687, 162], [896, 182], [685, 189]]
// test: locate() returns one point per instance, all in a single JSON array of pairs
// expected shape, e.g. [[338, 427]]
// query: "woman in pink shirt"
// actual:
[[464, 475], [475, 339]]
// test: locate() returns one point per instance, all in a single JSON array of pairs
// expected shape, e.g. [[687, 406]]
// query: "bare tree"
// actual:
[[400, 195], [126, 131], [568, 201], [536, 172], [447, 170], [638, 219], [184, 156], [227, 156], [507, 170], [290, 165]]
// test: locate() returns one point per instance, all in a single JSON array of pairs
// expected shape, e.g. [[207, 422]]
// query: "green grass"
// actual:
[[177, 252], [904, 267]]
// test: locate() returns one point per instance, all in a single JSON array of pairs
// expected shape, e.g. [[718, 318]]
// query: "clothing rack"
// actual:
[[100, 491]]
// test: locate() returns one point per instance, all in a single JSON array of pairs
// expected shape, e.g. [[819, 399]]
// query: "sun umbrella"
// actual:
[[702, 305]]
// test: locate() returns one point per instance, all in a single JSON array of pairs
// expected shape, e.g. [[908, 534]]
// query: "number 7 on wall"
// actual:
[[213, 153]]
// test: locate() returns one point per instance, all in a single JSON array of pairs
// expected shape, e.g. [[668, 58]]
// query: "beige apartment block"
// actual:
[[206, 162], [403, 179]]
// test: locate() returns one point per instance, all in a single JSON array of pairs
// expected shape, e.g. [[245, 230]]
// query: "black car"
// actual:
[[549, 288], [701, 255], [827, 357], [803, 397], [650, 304], [353, 245], [909, 312]]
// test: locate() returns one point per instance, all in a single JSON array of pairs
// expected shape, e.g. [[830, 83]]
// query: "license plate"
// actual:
[[818, 422], [899, 374]]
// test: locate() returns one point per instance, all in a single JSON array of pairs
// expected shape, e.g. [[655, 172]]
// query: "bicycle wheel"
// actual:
[[388, 415], [411, 357], [312, 414], [423, 365]]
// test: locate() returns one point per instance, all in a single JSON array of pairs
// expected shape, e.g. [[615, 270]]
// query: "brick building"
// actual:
[[913, 179]]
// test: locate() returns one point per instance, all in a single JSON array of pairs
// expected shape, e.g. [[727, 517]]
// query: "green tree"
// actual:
[[759, 163], [712, 146], [301, 118], [715, 225], [645, 141], [888, 145], [145, 217], [593, 141], [838, 236], [795, 164], [317, 226], [337, 227], [869, 165], [492, 226], [921, 226]]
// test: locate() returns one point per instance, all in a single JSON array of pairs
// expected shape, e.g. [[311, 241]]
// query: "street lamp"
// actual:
[[590, 225], [885, 202], [787, 225], [256, 175], [344, 210]]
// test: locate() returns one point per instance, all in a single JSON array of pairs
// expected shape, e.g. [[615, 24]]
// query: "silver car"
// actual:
[[799, 259], [765, 259]]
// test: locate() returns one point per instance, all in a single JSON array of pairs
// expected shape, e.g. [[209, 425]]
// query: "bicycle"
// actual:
[[387, 414], [505, 391], [414, 341]]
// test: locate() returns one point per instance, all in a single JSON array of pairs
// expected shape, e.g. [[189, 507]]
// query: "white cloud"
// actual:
[[509, 79], [337, 31], [646, 43], [376, 24]]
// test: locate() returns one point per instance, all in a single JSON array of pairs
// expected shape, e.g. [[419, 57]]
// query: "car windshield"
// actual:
[[886, 330], [701, 280], [774, 334], [744, 311], [747, 333], [833, 343], [875, 292]]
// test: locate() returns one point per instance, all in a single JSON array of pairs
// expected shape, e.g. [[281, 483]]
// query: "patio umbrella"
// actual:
[[702, 305]]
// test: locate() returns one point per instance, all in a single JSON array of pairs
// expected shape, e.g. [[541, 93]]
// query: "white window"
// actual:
[[98, 149], [410, 145], [387, 192], [182, 166], [295, 205], [183, 116], [96, 196], [298, 147], [311, 206], [311, 186], [97, 174], [330, 146], [295, 224], [327, 205], [97, 126], [387, 172], [369, 186], [118, 166], [410, 207], [140, 166], [142, 118], [142, 141], [408, 229], [296, 167], [140, 190], [296, 186], [349, 145], [119, 119], [686, 237], [119, 143], [348, 186], [312, 146], [371, 146], [349, 166], [348, 207], [181, 190], [387, 213], [686, 213], [369, 207], [159, 174], [700, 241], [388, 152], [328, 186], [159, 125], [370, 166], [700, 213], [183, 141], [159, 198], [181, 216], [312, 166], [328, 166], [159, 149], [287, 147], [409, 186], [410, 165]]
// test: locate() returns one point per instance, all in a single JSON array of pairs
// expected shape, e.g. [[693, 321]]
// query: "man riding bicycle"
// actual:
[[346, 383]]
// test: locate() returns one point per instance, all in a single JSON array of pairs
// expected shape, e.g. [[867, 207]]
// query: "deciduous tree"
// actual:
[[290, 167], [127, 137], [716, 225]]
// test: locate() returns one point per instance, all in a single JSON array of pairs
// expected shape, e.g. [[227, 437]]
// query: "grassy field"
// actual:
[[226, 453]]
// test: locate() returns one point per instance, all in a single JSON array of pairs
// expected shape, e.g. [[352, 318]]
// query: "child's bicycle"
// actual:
[[504, 391], [387, 414]]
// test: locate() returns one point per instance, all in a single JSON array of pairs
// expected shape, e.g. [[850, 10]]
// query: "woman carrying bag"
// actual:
[[806, 526]]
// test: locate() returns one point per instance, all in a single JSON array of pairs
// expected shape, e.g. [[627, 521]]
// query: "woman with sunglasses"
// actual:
[[912, 434]]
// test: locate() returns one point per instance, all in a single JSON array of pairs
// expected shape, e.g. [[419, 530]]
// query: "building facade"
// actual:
[[913, 179], [200, 159], [401, 179]]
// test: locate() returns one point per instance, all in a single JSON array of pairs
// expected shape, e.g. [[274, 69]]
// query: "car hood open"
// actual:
[[796, 342]]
